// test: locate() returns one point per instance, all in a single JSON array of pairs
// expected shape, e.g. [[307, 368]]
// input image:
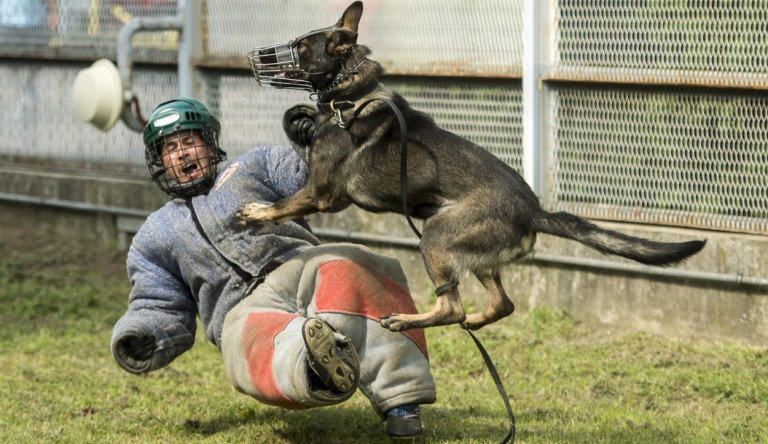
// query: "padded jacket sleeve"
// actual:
[[159, 324]]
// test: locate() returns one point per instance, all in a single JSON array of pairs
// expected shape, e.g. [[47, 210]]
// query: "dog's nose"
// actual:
[[267, 56]]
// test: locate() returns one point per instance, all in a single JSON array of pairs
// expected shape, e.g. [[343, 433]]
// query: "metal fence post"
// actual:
[[190, 49], [538, 50], [532, 95], [125, 56]]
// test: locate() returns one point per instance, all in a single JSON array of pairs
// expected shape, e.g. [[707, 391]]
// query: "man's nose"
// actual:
[[177, 155], [183, 151]]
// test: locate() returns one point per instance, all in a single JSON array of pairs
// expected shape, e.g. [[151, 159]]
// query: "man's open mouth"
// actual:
[[191, 171]]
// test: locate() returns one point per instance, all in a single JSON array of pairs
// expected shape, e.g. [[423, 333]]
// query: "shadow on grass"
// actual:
[[320, 425], [342, 424], [351, 425]]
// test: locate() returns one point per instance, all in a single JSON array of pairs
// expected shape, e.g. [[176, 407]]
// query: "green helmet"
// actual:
[[193, 172]]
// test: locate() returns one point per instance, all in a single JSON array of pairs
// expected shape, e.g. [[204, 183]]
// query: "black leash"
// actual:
[[337, 107], [510, 437]]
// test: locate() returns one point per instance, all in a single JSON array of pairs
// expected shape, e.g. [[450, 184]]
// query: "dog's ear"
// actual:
[[345, 34], [351, 17], [340, 42]]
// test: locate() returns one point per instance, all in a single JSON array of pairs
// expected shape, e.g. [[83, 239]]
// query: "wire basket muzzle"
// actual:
[[278, 66]]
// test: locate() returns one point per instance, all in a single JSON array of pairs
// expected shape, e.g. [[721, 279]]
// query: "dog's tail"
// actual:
[[610, 242]]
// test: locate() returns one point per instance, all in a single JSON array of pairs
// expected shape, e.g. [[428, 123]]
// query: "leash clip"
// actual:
[[342, 123]]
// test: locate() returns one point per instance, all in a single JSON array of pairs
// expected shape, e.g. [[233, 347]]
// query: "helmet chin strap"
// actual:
[[191, 188]]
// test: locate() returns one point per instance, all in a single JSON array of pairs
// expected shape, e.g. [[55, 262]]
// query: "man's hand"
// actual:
[[134, 353], [299, 124], [138, 347]]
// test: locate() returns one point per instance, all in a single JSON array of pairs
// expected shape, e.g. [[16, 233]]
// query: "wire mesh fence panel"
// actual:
[[250, 115], [489, 113], [706, 41], [447, 37], [83, 29], [450, 37], [42, 127], [648, 155]]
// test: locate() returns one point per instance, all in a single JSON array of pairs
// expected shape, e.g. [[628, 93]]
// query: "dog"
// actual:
[[478, 213]]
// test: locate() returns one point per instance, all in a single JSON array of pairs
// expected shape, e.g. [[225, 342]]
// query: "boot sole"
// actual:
[[321, 345]]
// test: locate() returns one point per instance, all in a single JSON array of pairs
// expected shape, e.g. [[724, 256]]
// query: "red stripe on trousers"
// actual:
[[259, 333], [345, 286]]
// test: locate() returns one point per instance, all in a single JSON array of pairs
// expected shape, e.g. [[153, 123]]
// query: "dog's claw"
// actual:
[[254, 212], [392, 323]]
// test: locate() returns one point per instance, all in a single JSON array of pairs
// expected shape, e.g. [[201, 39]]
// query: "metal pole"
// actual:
[[125, 60], [190, 48], [532, 95]]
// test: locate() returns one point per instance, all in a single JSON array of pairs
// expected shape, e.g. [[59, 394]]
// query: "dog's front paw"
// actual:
[[394, 322], [254, 213], [299, 124]]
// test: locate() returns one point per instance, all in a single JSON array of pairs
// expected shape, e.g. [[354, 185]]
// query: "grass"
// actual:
[[568, 383]]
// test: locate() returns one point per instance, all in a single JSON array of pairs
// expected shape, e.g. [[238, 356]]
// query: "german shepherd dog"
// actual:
[[478, 213]]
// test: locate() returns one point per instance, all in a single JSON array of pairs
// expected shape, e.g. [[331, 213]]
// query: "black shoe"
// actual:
[[331, 356], [404, 421]]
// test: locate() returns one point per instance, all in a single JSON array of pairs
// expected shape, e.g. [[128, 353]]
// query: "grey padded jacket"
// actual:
[[180, 268]]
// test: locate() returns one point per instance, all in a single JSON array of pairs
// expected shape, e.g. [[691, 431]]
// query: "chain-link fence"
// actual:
[[692, 148], [691, 158], [655, 112]]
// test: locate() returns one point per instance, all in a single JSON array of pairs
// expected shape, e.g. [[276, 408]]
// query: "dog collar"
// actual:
[[341, 76], [337, 106], [334, 106]]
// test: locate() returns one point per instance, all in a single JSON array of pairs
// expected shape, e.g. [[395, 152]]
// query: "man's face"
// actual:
[[186, 156]]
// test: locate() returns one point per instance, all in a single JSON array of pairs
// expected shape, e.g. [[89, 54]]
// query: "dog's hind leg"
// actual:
[[448, 309], [499, 305]]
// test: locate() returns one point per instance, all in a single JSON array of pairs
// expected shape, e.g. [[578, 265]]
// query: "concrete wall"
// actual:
[[669, 306], [663, 305]]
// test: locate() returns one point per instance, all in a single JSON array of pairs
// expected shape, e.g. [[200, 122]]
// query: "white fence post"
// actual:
[[536, 49], [190, 50]]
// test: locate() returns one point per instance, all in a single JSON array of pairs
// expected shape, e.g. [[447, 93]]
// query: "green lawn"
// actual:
[[568, 383]]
